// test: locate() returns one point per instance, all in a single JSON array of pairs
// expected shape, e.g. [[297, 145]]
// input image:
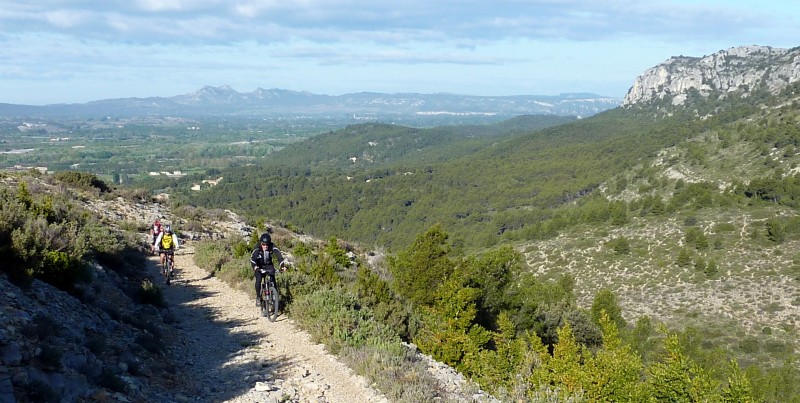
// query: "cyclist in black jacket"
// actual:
[[262, 258]]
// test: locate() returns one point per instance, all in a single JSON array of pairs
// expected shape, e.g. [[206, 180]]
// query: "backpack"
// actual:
[[166, 241]]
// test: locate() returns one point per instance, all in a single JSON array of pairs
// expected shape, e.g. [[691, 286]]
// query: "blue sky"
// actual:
[[75, 51]]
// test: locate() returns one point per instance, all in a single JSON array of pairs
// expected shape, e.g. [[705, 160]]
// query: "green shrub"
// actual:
[[334, 317], [776, 231], [684, 258], [81, 180], [50, 357], [394, 370], [378, 295], [42, 327], [194, 226], [189, 212], [149, 293], [97, 344], [724, 227], [109, 380], [695, 237], [136, 195], [749, 345], [620, 246], [605, 302], [125, 258], [301, 249], [337, 253], [236, 272], [241, 249], [423, 266], [150, 343], [39, 391], [210, 256]]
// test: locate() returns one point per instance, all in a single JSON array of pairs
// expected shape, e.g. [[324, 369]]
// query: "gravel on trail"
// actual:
[[228, 352]]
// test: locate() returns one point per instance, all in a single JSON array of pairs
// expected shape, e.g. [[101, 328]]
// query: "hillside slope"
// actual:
[[708, 237], [123, 336]]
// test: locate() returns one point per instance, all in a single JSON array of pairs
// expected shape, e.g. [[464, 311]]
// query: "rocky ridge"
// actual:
[[206, 344], [739, 68]]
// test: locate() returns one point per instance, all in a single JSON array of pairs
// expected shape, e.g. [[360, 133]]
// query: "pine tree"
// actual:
[[614, 372], [678, 379], [419, 270], [738, 389], [606, 302]]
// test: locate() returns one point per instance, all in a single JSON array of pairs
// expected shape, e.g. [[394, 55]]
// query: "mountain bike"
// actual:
[[168, 265], [270, 298]]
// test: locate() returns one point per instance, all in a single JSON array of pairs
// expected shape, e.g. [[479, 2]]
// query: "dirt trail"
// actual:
[[230, 353]]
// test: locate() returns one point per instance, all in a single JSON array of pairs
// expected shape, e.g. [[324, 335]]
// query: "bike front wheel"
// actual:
[[165, 271], [273, 302], [264, 296], [170, 268]]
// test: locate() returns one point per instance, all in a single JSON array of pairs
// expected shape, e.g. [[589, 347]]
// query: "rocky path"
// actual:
[[228, 352]]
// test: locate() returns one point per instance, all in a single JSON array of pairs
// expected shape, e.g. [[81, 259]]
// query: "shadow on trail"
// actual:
[[209, 357]]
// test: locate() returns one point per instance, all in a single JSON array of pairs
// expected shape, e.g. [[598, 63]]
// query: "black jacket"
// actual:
[[262, 258]]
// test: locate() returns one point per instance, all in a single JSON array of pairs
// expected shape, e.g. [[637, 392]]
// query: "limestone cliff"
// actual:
[[740, 68]]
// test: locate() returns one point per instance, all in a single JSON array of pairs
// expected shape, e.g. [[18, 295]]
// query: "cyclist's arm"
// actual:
[[158, 240], [175, 240], [282, 261], [253, 258]]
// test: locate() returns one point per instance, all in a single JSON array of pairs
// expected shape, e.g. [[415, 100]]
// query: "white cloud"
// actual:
[[330, 46]]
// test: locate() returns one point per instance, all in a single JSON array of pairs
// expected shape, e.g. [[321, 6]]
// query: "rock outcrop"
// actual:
[[743, 68]]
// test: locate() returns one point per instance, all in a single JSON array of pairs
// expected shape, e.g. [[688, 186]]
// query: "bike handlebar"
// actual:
[[282, 267]]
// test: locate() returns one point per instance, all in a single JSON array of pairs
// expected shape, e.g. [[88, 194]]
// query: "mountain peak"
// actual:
[[738, 68]]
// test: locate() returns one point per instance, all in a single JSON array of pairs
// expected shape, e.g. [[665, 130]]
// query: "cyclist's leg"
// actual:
[[258, 287]]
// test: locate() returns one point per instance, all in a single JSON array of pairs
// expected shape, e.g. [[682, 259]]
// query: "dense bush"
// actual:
[[45, 235], [81, 180], [210, 256], [149, 293]]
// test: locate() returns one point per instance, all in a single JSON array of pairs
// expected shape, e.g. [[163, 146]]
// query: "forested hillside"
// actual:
[[495, 187]]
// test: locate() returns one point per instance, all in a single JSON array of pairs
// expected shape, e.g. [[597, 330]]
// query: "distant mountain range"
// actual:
[[225, 101]]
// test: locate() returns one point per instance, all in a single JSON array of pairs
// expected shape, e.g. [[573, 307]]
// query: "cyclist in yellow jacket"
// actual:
[[167, 242]]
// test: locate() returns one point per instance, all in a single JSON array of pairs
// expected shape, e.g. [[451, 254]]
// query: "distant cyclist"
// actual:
[[155, 231], [166, 243], [262, 258]]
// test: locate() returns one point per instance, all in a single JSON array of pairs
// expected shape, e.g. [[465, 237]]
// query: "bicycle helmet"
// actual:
[[265, 238], [168, 229]]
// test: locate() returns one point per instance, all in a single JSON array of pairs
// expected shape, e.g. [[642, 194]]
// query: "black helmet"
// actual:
[[265, 238]]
